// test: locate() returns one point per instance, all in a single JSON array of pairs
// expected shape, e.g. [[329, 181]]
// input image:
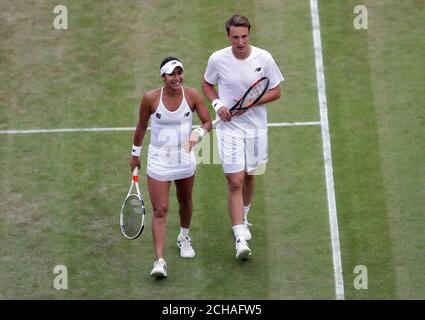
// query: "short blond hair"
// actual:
[[237, 21]]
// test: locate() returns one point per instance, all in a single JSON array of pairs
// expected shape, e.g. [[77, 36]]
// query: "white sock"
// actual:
[[239, 231], [246, 211], [184, 232]]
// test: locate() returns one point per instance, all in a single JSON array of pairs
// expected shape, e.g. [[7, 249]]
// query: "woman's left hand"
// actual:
[[192, 141]]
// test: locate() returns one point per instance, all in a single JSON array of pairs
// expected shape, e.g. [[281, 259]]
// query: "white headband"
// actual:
[[170, 66]]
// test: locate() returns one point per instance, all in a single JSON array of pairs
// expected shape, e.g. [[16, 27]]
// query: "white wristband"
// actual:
[[200, 132], [135, 151], [217, 104]]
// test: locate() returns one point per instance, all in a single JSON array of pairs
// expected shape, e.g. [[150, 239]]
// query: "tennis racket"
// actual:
[[132, 216], [251, 97]]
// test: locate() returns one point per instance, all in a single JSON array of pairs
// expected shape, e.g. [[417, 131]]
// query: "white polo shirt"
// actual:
[[234, 76]]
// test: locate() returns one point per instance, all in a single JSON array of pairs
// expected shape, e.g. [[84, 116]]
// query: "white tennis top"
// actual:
[[234, 76], [171, 129]]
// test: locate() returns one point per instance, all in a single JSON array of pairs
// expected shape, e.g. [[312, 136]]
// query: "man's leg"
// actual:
[[248, 189], [248, 193], [256, 155], [235, 197], [235, 204]]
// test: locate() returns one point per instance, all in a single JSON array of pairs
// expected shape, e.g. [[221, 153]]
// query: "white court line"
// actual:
[[33, 131], [321, 88], [294, 124], [64, 130]]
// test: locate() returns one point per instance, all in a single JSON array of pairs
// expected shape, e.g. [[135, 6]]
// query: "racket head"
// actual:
[[254, 93], [132, 216]]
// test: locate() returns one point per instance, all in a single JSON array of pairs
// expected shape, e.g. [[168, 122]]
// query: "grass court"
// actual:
[[61, 192]]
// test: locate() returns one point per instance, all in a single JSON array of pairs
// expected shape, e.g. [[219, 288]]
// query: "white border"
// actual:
[[324, 123]]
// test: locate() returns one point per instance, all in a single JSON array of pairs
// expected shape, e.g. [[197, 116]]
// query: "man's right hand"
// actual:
[[224, 114]]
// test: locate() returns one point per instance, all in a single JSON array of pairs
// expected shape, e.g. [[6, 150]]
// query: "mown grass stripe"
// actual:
[[359, 185]]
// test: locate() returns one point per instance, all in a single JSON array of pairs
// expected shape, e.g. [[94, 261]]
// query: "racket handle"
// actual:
[[136, 173], [216, 122]]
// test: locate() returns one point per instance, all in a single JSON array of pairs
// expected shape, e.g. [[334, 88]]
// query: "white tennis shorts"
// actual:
[[168, 164], [242, 154]]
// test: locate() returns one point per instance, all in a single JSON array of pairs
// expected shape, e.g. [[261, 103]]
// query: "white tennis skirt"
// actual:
[[170, 163]]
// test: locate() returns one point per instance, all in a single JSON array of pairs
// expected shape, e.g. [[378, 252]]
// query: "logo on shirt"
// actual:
[[187, 114], [258, 69], [158, 115]]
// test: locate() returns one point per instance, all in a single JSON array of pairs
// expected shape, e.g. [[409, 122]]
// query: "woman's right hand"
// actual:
[[134, 162]]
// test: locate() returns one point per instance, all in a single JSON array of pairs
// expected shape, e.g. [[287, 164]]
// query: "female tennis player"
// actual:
[[242, 136], [170, 156]]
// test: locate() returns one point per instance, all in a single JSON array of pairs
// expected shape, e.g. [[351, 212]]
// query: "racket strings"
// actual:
[[254, 93], [132, 217]]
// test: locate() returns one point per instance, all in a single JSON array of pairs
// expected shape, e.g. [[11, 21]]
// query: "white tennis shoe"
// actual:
[[242, 249], [159, 269], [185, 246], [247, 233]]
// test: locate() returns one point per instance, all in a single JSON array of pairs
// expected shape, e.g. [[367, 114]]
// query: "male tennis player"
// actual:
[[170, 156], [242, 138]]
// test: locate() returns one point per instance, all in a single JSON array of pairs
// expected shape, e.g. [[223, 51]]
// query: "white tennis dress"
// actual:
[[170, 130]]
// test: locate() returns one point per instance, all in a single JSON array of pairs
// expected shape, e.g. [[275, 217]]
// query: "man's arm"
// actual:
[[271, 95], [209, 91], [211, 94]]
